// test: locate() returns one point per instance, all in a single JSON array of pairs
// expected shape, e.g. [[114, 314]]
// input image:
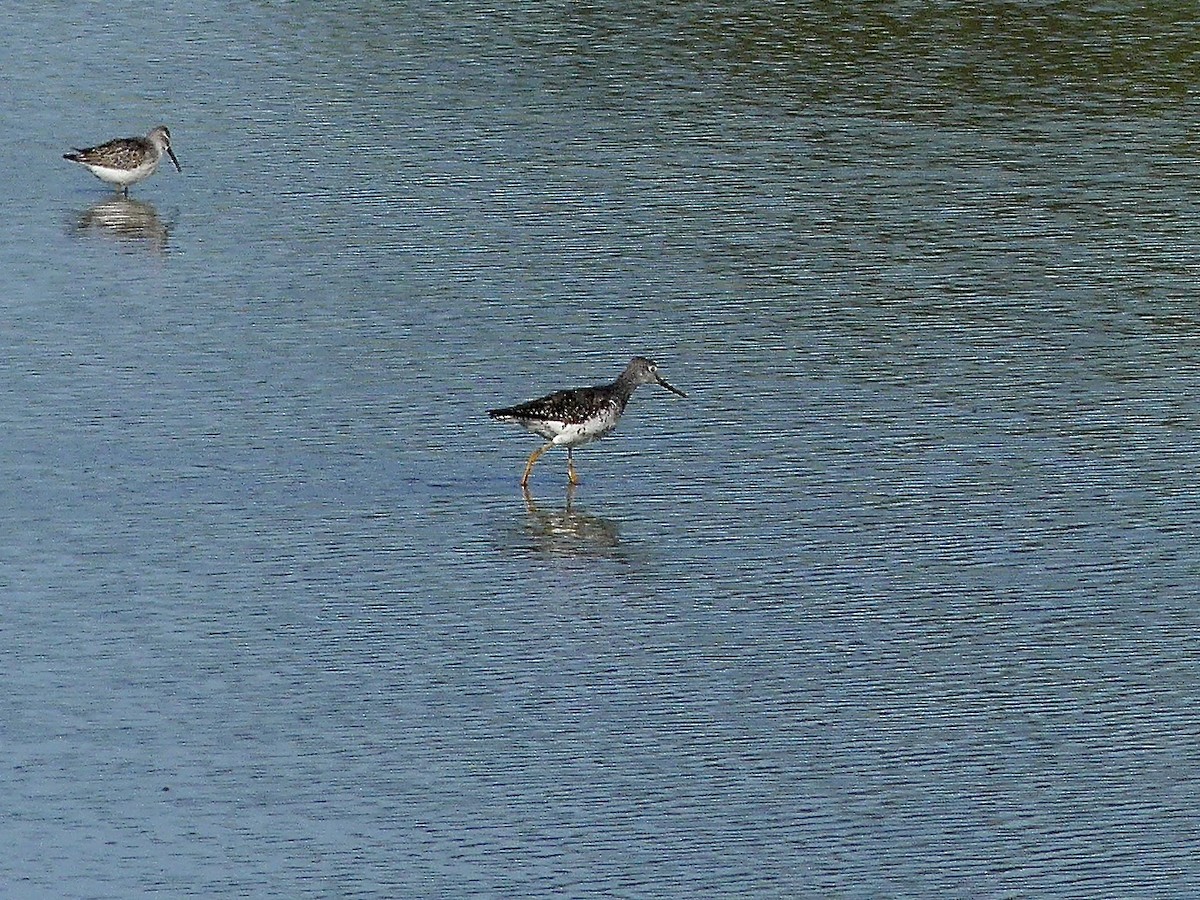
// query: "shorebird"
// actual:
[[573, 417], [126, 161]]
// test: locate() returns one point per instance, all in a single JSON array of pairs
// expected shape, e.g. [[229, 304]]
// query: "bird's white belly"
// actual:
[[123, 177], [572, 434]]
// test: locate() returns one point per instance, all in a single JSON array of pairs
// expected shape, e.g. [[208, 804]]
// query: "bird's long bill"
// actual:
[[671, 387], [171, 153]]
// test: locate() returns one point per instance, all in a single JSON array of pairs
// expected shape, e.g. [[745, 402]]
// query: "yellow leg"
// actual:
[[534, 457], [572, 475]]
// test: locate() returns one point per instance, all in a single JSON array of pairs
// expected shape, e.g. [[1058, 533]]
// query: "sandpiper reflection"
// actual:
[[570, 531], [126, 220]]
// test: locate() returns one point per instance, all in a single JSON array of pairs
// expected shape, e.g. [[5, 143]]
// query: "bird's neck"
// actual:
[[623, 388]]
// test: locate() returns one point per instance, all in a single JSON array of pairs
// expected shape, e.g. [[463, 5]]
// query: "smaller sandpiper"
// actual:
[[573, 417], [126, 161]]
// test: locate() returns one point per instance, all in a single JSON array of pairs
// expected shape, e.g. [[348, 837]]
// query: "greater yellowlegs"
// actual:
[[573, 417], [126, 161]]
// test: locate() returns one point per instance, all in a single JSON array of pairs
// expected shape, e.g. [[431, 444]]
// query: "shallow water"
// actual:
[[900, 601]]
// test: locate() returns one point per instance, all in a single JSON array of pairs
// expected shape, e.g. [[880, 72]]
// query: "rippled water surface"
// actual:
[[901, 601]]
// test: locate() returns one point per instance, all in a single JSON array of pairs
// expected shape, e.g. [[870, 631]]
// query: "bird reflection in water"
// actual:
[[570, 531], [129, 221]]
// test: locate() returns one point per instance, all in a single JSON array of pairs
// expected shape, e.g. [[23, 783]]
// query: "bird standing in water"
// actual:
[[574, 417], [126, 161]]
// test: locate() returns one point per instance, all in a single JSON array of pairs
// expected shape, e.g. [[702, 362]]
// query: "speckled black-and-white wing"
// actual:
[[121, 153], [567, 417], [571, 407]]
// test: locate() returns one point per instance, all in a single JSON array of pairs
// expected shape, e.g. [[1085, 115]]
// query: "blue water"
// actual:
[[899, 602]]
